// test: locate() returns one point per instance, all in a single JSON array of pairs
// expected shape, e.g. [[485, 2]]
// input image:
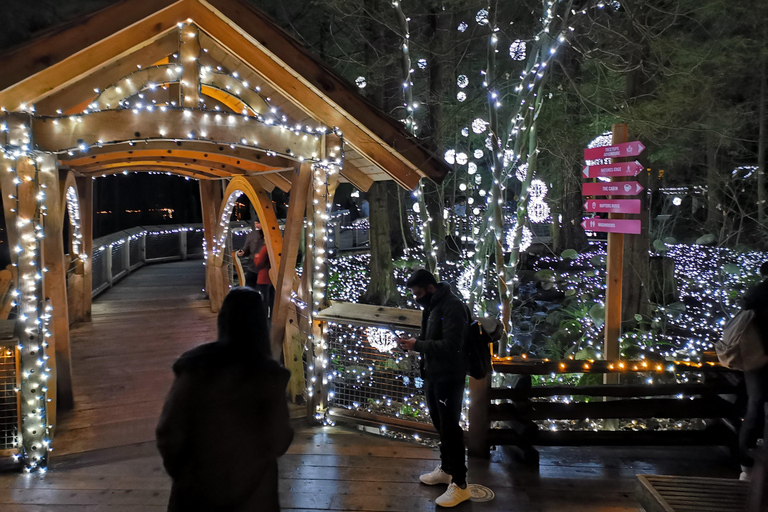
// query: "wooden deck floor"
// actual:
[[105, 458]]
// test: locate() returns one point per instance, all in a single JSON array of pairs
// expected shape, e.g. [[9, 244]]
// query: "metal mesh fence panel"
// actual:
[[367, 373], [162, 245], [135, 249], [195, 243], [118, 258], [9, 413], [99, 268]]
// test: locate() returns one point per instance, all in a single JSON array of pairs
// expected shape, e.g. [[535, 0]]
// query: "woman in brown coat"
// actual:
[[225, 421]]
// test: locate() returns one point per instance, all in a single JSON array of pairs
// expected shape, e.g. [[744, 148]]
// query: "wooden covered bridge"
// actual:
[[210, 90]]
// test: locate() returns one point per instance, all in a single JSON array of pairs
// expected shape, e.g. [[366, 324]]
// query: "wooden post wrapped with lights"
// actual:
[[85, 197], [210, 199], [324, 183], [24, 202]]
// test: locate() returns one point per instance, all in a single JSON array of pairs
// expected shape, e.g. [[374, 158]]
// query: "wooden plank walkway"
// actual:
[[105, 459]]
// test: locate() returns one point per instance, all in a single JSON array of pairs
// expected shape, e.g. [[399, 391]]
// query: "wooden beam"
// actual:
[[295, 74], [356, 177], [198, 175], [136, 82], [82, 92], [55, 288], [189, 53], [279, 180], [85, 194], [53, 62], [210, 199], [175, 124], [225, 87], [224, 163], [169, 164], [294, 223]]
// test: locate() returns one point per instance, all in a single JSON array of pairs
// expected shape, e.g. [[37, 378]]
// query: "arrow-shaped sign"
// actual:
[[616, 188], [630, 227], [613, 205], [623, 150], [609, 170]]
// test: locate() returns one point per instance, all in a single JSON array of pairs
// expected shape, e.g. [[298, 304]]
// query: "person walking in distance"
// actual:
[[444, 325], [756, 299], [254, 241], [225, 421]]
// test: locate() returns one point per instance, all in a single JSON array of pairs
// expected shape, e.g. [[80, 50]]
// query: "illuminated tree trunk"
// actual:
[[714, 191], [762, 193], [381, 288]]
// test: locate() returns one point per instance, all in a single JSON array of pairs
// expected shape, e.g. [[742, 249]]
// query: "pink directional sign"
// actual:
[[613, 205], [609, 170], [630, 227], [616, 188], [623, 150]]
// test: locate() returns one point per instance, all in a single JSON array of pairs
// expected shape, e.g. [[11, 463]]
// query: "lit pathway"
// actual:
[[105, 459]]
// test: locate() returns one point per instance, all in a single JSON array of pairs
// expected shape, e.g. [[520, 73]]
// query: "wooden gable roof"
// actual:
[[63, 64]]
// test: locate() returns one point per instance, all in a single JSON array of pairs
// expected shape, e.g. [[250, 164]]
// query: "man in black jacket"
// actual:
[[444, 325]]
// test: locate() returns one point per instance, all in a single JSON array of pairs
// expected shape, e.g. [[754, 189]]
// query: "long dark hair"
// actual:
[[242, 322]]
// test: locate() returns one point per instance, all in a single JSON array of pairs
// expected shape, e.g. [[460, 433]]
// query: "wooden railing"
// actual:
[[508, 415]]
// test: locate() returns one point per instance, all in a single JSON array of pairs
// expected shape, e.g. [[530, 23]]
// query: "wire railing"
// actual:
[[117, 254]]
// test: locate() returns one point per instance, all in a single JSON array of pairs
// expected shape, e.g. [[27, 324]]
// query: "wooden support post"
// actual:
[[85, 193], [55, 286], [189, 53], [479, 425], [294, 223], [323, 188], [20, 192], [183, 244], [614, 270], [210, 199]]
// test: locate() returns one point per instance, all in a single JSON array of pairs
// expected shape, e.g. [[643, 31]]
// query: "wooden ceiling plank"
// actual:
[[82, 91], [356, 177], [75, 53]]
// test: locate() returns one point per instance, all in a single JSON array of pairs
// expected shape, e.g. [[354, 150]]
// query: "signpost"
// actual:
[[612, 206], [631, 169], [615, 225], [615, 150], [627, 226], [612, 188]]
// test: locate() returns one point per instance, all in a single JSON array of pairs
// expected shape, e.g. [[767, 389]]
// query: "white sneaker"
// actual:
[[453, 496], [436, 476], [746, 474]]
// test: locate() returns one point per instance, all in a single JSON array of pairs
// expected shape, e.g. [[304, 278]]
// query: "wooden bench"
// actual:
[[515, 410], [663, 493]]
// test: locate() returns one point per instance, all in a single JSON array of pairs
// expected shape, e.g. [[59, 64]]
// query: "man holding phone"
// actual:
[[444, 324]]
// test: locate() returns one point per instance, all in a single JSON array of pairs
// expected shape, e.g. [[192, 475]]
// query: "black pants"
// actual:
[[267, 292], [444, 399], [755, 424]]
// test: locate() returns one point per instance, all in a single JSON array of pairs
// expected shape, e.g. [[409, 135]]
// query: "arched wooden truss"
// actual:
[[208, 89]]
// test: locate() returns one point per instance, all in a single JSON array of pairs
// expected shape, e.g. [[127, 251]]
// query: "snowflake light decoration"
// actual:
[[538, 211], [538, 189], [509, 157], [465, 131], [381, 339], [422, 63], [461, 96], [521, 172], [478, 154], [479, 125], [482, 17], [517, 50], [450, 156], [461, 158], [462, 26], [472, 168], [462, 81], [361, 82]]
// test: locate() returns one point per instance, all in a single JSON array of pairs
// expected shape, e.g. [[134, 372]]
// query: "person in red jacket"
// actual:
[[261, 266]]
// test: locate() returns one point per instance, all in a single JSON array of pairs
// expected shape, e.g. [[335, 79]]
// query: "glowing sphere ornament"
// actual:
[[479, 125], [472, 168], [422, 63], [482, 17], [517, 50], [461, 158], [525, 241], [522, 172], [538, 189], [461, 96], [450, 156], [462, 81], [538, 211], [462, 27], [361, 82]]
